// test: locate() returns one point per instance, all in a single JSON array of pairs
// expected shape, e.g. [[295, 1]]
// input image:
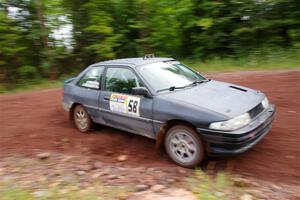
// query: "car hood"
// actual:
[[224, 98]]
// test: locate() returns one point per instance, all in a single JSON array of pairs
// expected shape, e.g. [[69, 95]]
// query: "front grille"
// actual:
[[256, 110]]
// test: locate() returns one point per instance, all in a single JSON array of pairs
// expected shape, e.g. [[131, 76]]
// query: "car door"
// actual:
[[121, 109], [87, 92]]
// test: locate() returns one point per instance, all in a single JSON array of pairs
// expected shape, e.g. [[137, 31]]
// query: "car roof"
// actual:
[[133, 61]]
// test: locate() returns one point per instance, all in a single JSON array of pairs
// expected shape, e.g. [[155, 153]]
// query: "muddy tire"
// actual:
[[184, 146], [82, 119]]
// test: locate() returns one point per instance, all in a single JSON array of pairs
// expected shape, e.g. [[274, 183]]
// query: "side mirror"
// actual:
[[140, 91]]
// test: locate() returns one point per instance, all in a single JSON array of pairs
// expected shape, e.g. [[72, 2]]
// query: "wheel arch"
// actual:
[[160, 138], [71, 116]]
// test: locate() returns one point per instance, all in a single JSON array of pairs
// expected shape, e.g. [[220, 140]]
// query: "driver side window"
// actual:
[[121, 80]]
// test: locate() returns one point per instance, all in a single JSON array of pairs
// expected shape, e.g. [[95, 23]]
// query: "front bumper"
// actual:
[[238, 141]]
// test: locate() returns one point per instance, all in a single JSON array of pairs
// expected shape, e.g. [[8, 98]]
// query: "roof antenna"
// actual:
[[148, 56]]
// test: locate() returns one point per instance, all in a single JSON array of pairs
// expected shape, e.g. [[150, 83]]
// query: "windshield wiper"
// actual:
[[172, 88], [197, 82]]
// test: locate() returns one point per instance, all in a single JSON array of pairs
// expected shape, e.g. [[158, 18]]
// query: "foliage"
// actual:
[[9, 191], [33, 45], [270, 60], [208, 188], [27, 72], [260, 59]]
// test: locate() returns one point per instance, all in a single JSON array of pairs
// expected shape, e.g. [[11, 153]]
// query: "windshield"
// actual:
[[165, 75]]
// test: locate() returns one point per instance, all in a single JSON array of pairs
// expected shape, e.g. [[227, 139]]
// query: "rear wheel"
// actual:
[[82, 119], [184, 146]]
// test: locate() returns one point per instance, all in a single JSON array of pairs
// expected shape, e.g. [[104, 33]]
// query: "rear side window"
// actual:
[[92, 78], [121, 80]]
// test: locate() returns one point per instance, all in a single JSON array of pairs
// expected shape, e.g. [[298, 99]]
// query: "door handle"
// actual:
[[106, 98]]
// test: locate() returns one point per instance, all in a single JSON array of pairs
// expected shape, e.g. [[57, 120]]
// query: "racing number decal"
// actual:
[[132, 105], [125, 104]]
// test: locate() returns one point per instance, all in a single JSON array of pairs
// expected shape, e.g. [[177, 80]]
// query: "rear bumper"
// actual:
[[238, 141], [66, 105]]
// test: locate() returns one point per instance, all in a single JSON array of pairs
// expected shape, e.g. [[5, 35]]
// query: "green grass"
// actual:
[[203, 186], [33, 85], [258, 60], [230, 65], [277, 60], [16, 194], [97, 192], [210, 188]]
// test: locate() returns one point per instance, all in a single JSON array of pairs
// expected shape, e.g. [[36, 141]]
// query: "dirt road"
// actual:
[[34, 122]]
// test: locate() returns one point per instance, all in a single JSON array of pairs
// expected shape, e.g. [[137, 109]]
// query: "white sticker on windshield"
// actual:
[[124, 104]]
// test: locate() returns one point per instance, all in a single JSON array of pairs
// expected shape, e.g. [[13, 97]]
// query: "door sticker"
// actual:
[[125, 104]]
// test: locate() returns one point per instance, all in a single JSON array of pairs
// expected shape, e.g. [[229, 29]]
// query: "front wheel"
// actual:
[[184, 146], [82, 119]]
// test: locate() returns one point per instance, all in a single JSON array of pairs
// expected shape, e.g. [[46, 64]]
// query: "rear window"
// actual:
[[92, 78]]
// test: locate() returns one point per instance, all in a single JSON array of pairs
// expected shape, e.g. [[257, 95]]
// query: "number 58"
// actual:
[[132, 106]]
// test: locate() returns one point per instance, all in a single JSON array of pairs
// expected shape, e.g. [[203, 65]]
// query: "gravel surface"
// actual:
[[34, 128]]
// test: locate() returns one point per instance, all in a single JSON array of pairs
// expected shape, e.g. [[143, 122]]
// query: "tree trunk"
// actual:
[[44, 37], [142, 16], [41, 18]]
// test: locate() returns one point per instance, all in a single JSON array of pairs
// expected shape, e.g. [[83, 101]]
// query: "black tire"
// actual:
[[195, 146], [82, 127]]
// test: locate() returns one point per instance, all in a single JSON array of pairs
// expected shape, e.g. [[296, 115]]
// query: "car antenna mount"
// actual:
[[148, 56]]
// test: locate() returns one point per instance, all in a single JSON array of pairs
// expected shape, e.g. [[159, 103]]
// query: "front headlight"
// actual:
[[232, 124], [265, 102]]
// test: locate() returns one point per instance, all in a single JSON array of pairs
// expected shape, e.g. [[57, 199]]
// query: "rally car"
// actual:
[[163, 99]]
